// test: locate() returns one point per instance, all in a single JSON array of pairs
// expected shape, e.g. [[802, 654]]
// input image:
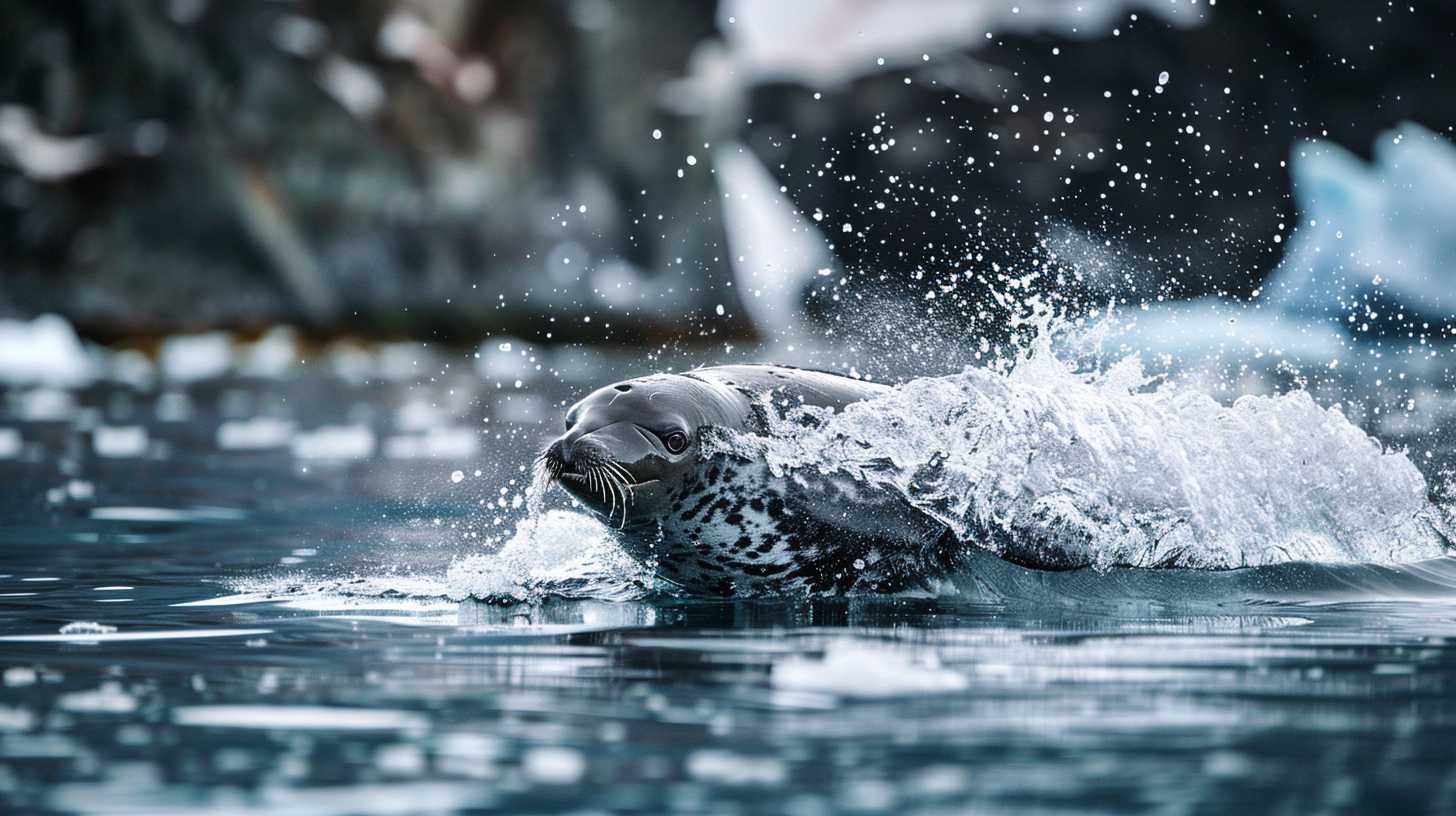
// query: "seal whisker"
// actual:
[[612, 508], [622, 473], [618, 486]]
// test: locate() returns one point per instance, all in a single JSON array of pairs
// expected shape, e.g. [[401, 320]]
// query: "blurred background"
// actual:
[[650, 175]]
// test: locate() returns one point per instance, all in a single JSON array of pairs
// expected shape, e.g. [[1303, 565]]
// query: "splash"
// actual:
[[554, 553], [1054, 469]]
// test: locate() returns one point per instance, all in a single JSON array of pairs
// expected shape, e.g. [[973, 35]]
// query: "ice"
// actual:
[[272, 356], [41, 156], [1371, 242], [300, 718], [109, 698], [11, 443], [87, 628], [776, 251], [45, 405], [505, 360], [1386, 220], [353, 86], [43, 351], [857, 669], [120, 442], [337, 442], [455, 442], [1052, 469], [405, 360], [258, 433], [728, 768], [127, 637], [808, 42], [194, 357], [554, 765]]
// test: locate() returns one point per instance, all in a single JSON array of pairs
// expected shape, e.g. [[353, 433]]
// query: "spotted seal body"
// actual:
[[720, 523]]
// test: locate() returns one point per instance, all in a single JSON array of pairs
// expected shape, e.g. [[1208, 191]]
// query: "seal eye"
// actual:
[[676, 442]]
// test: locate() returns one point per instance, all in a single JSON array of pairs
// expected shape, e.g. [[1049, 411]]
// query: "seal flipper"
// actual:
[[871, 538]]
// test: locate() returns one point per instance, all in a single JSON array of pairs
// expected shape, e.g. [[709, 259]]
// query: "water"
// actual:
[[280, 618]]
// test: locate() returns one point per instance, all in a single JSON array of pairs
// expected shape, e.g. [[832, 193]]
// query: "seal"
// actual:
[[721, 523]]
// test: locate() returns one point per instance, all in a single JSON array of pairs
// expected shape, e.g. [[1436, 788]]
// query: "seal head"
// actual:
[[724, 523], [628, 446]]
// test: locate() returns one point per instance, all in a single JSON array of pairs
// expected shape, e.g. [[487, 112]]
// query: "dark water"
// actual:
[[357, 687]]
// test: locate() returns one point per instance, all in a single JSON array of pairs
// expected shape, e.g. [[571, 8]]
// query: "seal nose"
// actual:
[[571, 449], [566, 445]]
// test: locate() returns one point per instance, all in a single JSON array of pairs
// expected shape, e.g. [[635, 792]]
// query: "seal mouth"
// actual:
[[599, 482]]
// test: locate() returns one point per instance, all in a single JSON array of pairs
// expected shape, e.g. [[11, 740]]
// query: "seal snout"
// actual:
[[580, 455]]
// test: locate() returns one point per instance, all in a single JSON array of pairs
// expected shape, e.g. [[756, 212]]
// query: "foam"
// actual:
[[1054, 469]]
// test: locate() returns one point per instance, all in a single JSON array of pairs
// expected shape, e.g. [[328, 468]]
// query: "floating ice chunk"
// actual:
[[505, 360], [776, 252], [45, 405], [258, 433], [339, 442], [353, 86], [125, 637], [109, 698], [804, 41], [300, 718], [405, 361], [174, 406], [729, 768], [418, 414], [75, 490], [41, 156], [1371, 242], [553, 765], [132, 367], [272, 356], [620, 282], [1210, 328], [349, 361], [437, 443], [86, 628], [195, 357], [1367, 226], [863, 670], [526, 409], [119, 442], [43, 351], [166, 515], [11, 443]]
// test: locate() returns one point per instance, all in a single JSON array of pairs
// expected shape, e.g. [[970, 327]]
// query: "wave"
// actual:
[[1053, 469]]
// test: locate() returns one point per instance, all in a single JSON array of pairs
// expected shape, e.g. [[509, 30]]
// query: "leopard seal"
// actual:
[[718, 523]]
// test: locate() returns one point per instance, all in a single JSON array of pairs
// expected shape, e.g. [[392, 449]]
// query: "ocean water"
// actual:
[[310, 595]]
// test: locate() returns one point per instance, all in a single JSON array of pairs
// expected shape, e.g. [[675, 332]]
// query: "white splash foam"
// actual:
[[1054, 469], [565, 552]]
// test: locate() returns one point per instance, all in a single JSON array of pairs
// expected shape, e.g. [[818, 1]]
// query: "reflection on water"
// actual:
[[197, 627]]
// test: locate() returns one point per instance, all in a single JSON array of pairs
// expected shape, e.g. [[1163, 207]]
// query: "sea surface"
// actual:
[[246, 595]]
